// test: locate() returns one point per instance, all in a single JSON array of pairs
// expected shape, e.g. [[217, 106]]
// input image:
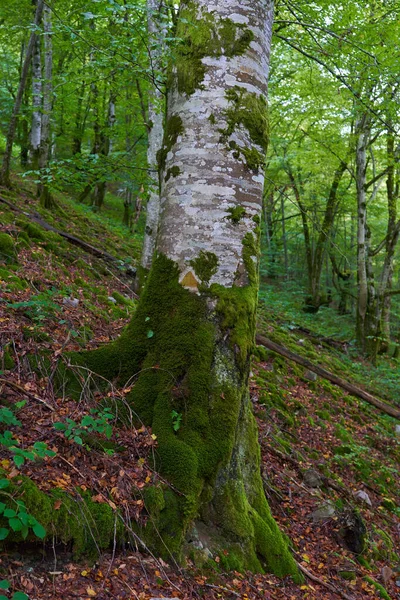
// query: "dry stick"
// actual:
[[328, 586], [222, 588], [19, 388], [349, 387]]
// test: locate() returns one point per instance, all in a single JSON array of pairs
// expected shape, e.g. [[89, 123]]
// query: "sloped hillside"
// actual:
[[79, 469]]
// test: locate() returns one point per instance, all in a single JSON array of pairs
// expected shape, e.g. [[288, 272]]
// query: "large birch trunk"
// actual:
[[5, 169], [192, 335]]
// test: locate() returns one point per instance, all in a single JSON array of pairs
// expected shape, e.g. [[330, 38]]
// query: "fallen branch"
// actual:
[[349, 387], [328, 586], [36, 218], [22, 390]]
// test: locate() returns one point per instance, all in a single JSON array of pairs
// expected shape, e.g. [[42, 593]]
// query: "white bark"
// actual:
[[156, 130], [195, 204], [36, 101], [45, 141]]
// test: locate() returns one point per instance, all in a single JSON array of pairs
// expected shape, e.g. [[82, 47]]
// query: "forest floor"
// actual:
[[321, 448]]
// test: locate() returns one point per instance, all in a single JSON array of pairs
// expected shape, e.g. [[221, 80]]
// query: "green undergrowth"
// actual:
[[78, 522], [281, 307]]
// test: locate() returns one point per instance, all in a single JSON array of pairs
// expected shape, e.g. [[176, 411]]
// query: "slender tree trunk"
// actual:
[[5, 169], [46, 198], [156, 29], [192, 335], [36, 104], [284, 240]]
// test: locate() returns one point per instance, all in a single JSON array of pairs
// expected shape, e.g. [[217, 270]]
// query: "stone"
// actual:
[[71, 302], [398, 430], [312, 478], [112, 299], [310, 376], [363, 497], [323, 512], [352, 530]]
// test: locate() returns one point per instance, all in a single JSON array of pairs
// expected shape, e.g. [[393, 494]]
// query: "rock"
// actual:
[[352, 530], [71, 302], [387, 574], [363, 497], [112, 299], [310, 376], [323, 512], [398, 430], [312, 478]]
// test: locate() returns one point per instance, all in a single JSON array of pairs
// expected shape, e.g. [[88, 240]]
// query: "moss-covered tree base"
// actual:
[[187, 356]]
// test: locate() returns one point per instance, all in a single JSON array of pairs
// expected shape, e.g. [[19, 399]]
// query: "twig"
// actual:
[[224, 589], [328, 586], [22, 390]]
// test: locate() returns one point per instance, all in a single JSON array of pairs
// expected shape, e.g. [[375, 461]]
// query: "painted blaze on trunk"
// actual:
[[193, 333]]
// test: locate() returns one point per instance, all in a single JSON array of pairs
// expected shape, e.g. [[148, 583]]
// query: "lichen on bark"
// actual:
[[201, 34]]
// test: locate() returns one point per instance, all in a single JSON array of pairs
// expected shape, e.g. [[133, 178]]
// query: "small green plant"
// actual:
[[39, 307], [176, 420], [18, 517], [98, 421], [39, 449], [5, 585]]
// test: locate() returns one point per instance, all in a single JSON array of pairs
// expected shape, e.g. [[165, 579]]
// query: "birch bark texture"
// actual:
[[5, 169], [157, 32], [216, 136], [45, 129], [36, 104]]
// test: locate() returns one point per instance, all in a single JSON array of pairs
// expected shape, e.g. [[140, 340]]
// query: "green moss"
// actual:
[[204, 35], [7, 360], [379, 588], [249, 110], [173, 129], [33, 231], [14, 283], [212, 119], [205, 266], [7, 249], [172, 172], [88, 525], [236, 213], [195, 360]]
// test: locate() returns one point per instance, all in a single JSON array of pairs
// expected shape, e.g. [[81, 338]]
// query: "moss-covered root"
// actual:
[[191, 354], [240, 512]]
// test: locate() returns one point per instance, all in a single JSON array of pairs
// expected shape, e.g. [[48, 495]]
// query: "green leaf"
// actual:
[[4, 533], [19, 596], [150, 333], [78, 440], [15, 524], [39, 531], [2, 507], [4, 483], [9, 513], [4, 584], [3, 597], [59, 426], [19, 460]]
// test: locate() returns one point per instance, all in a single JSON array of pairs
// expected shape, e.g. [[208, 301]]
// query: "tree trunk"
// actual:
[[192, 335], [46, 198], [5, 169], [156, 31], [36, 105]]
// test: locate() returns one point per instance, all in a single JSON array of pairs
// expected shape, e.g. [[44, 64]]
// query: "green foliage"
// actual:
[[40, 306], [39, 450], [98, 421], [5, 585], [176, 420]]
